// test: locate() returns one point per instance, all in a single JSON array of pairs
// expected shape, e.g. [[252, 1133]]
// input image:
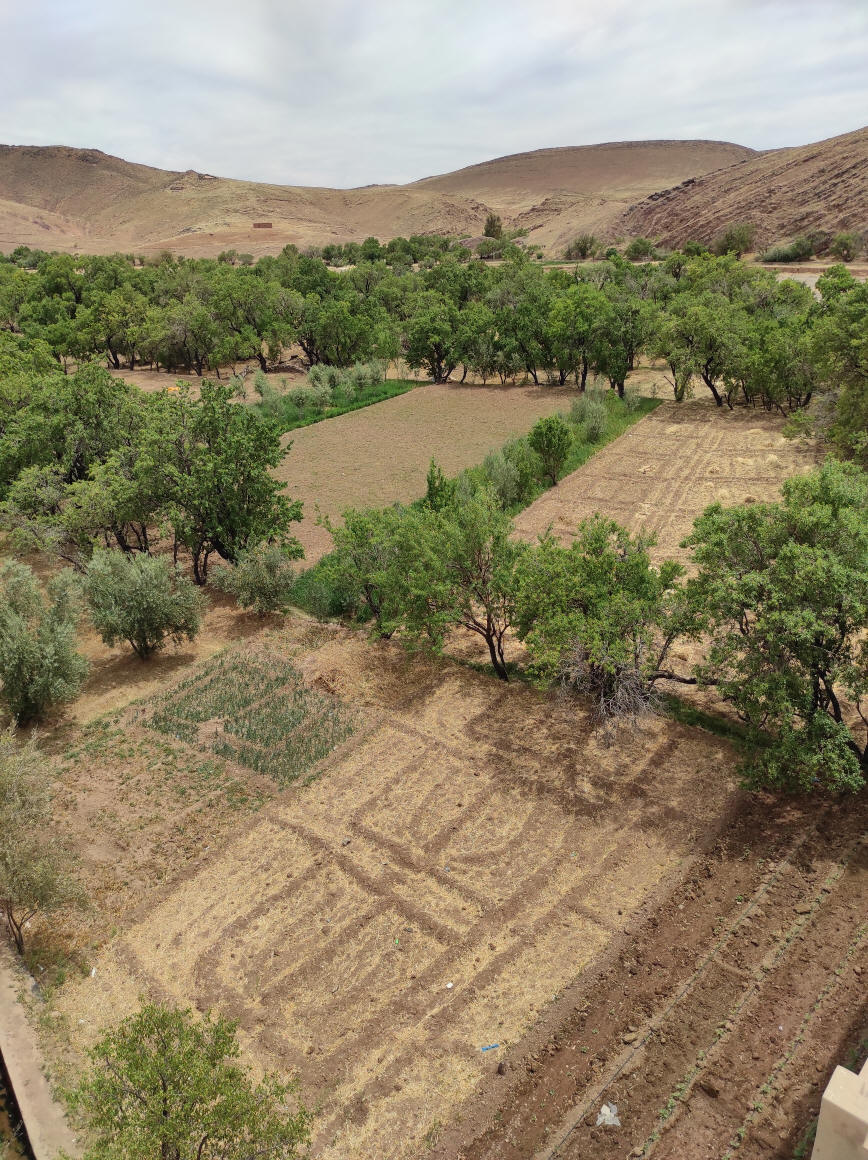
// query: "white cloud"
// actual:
[[344, 92]]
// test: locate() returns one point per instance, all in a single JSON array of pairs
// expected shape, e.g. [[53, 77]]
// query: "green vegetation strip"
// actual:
[[262, 714], [390, 389], [313, 592]]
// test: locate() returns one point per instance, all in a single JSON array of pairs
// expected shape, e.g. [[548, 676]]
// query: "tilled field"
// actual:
[[661, 473], [716, 1025], [468, 833], [380, 454]]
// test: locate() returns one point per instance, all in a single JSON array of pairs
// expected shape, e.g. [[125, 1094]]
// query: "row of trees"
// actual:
[[778, 594], [711, 319]]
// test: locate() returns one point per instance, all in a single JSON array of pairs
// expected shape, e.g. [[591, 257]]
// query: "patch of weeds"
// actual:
[[431, 1136], [686, 714]]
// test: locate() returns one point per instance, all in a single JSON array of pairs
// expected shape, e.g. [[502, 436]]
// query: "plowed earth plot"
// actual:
[[468, 833], [380, 454], [661, 473]]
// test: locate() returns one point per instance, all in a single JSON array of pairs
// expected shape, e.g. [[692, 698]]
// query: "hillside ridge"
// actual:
[[67, 198]]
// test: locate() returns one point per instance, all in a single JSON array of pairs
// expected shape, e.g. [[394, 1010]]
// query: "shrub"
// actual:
[[640, 249], [596, 421], [39, 665], [263, 579], [493, 226], [735, 240], [846, 246], [551, 439], [33, 866], [513, 472], [589, 413], [143, 600], [795, 251], [167, 1083], [584, 246]]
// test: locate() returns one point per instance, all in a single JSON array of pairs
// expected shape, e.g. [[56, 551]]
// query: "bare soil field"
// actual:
[[659, 475], [380, 455], [470, 867], [468, 833]]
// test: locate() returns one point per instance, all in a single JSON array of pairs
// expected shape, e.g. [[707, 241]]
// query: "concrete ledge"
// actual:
[[842, 1133], [44, 1119]]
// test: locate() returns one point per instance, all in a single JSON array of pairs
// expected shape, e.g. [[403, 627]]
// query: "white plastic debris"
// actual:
[[448, 986], [608, 1115], [93, 972]]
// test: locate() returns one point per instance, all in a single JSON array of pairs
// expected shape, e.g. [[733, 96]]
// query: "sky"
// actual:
[[352, 92]]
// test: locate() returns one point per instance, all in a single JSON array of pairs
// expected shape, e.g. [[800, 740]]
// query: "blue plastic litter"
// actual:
[[490, 1047]]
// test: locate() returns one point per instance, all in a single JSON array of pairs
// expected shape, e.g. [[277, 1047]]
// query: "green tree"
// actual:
[[551, 439], [493, 226], [165, 1083], [432, 337], [599, 616], [263, 579], [847, 245], [210, 460], [144, 600], [781, 593], [840, 351], [34, 866], [362, 567], [456, 568], [39, 665]]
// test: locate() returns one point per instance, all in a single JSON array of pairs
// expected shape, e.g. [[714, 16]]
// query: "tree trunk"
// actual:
[[495, 651]]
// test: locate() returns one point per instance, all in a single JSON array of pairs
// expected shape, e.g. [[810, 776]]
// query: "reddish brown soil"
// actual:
[[714, 1024]]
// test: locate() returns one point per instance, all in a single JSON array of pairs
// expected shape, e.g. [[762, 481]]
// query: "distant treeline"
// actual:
[[714, 322]]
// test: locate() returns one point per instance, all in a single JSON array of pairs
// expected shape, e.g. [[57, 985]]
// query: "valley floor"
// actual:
[[467, 865]]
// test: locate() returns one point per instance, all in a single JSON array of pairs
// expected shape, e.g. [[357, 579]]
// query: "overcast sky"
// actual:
[[348, 92]]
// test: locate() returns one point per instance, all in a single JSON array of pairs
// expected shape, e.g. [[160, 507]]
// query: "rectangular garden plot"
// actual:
[[256, 711]]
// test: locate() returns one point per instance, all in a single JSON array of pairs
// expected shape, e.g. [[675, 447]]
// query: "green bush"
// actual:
[[847, 245], [39, 665], [796, 251], [142, 599], [584, 246], [735, 240], [590, 415], [640, 249], [263, 579], [513, 471], [551, 439], [596, 421]]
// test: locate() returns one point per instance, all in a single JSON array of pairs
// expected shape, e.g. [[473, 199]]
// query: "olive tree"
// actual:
[[144, 600], [263, 579], [39, 665]]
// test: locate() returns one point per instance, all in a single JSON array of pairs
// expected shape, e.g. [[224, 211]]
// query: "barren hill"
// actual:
[[785, 192], [61, 198]]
